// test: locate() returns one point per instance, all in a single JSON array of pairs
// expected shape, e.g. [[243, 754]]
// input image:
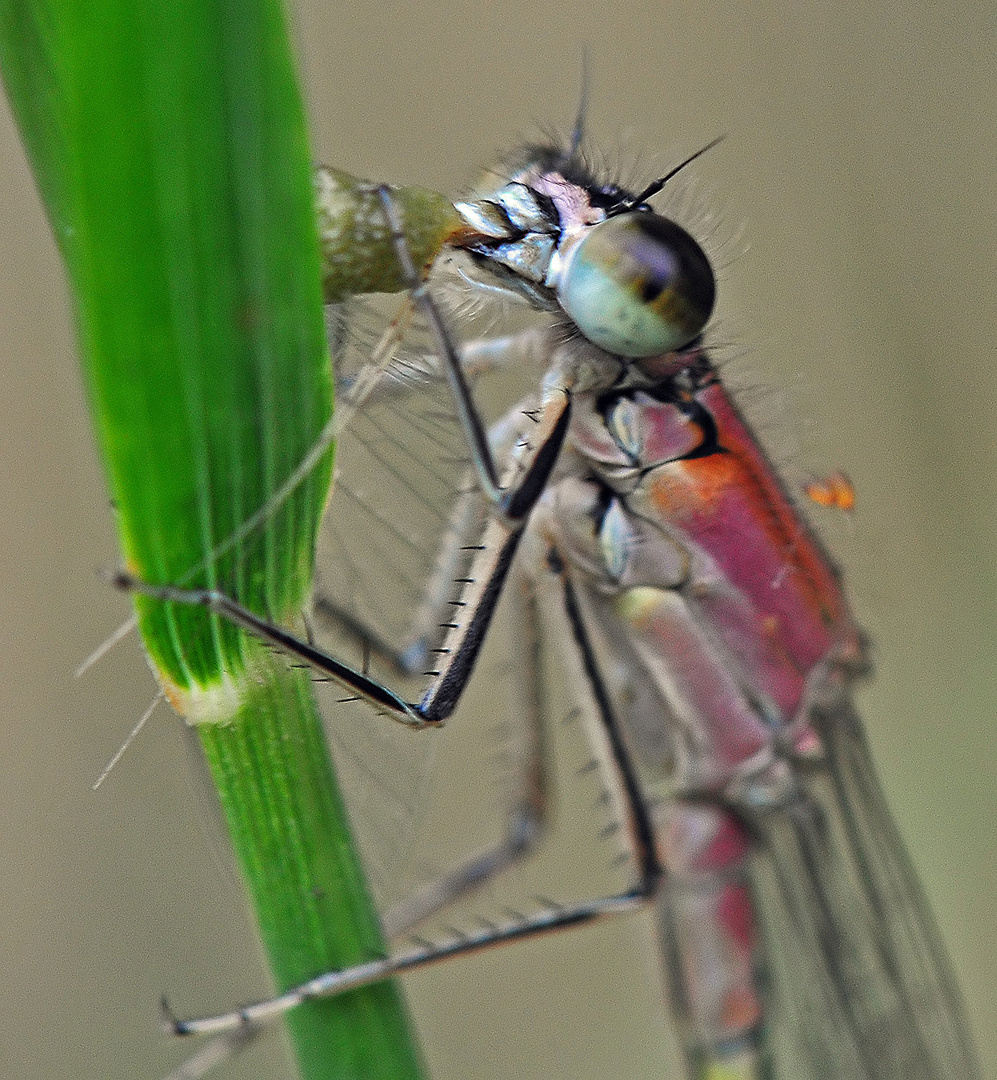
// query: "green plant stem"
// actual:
[[291, 835]]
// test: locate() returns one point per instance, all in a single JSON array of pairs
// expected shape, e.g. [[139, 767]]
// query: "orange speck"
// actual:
[[835, 492]]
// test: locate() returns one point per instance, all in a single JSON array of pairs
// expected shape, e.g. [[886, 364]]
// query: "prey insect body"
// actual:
[[794, 938]]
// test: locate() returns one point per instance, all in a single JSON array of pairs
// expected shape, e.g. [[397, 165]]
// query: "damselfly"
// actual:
[[625, 507]]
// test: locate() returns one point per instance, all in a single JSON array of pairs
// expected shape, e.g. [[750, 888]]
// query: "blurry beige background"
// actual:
[[859, 171]]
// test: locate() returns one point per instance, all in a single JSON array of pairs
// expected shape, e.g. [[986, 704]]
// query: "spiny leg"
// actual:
[[528, 808], [272, 634], [638, 829], [480, 598]]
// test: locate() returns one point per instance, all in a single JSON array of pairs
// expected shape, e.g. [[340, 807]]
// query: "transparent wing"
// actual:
[[403, 514], [860, 980], [400, 462], [404, 498]]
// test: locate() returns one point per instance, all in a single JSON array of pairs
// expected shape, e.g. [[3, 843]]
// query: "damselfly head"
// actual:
[[632, 281]]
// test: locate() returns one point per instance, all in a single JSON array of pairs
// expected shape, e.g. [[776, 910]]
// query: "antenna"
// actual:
[[653, 188], [578, 131]]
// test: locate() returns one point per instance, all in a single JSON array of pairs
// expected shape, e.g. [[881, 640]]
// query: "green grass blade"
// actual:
[[169, 144]]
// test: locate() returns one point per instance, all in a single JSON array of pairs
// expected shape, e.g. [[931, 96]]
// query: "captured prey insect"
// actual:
[[626, 507]]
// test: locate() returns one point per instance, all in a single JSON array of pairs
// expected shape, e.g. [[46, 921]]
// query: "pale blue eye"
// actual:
[[637, 285]]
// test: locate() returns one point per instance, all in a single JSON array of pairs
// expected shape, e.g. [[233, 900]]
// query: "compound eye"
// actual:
[[637, 285]]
